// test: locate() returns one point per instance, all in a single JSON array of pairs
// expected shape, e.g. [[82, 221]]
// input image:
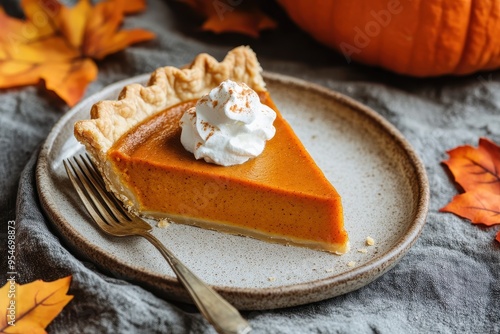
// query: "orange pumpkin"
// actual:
[[415, 37]]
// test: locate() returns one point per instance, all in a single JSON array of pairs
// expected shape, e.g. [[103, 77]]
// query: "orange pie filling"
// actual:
[[280, 196]]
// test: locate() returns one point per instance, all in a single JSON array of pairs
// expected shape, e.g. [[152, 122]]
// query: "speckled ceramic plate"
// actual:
[[381, 180]]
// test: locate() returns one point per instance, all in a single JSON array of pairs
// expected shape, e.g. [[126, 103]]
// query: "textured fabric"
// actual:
[[449, 282]]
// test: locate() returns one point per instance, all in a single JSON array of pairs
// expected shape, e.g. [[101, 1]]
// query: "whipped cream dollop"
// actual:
[[228, 126]]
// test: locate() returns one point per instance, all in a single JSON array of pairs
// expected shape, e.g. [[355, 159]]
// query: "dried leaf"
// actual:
[[478, 206], [244, 17], [68, 79], [102, 38], [476, 168], [36, 305], [477, 171], [73, 20], [41, 17], [57, 43], [132, 7]]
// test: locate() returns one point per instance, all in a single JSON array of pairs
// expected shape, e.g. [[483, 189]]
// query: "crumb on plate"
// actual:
[[370, 241], [162, 223]]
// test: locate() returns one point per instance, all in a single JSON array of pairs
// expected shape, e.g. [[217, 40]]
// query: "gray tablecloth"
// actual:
[[449, 282]]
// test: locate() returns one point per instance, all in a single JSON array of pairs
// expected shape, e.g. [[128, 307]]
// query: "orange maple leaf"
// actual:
[[477, 171], [480, 207], [476, 168], [57, 44], [29, 308], [244, 17]]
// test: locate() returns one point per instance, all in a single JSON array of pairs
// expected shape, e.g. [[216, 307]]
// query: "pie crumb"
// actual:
[[362, 250], [351, 264], [163, 223], [370, 241], [330, 270], [271, 279]]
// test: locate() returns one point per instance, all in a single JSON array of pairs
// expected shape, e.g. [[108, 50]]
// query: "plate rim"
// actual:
[[280, 296]]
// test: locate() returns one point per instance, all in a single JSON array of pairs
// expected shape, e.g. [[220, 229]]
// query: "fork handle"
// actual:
[[222, 315]]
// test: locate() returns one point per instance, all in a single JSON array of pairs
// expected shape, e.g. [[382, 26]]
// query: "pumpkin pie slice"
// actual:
[[279, 196]]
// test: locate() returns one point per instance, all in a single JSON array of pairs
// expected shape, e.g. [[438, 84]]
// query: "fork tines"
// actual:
[[100, 204]]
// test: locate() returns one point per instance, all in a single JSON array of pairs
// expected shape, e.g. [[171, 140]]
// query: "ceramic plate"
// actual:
[[381, 180]]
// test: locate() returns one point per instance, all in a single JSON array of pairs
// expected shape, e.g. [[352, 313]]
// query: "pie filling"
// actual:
[[268, 197]]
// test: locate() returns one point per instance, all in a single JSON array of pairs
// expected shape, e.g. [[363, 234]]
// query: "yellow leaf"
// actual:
[[40, 15], [9, 26], [57, 43], [49, 49], [18, 73], [72, 22], [119, 41], [106, 18], [135, 6], [35, 305], [101, 35], [69, 80]]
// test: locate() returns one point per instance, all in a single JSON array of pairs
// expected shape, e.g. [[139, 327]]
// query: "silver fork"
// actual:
[[110, 216]]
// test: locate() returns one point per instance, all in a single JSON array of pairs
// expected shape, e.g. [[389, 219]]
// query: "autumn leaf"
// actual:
[[480, 207], [476, 168], [244, 17], [101, 35], [477, 172], [29, 308], [132, 7], [58, 44]]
